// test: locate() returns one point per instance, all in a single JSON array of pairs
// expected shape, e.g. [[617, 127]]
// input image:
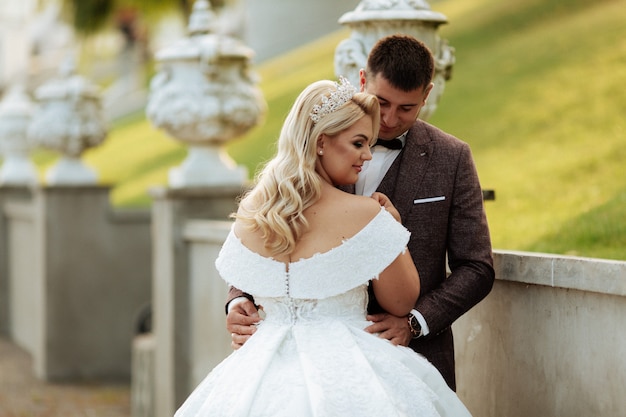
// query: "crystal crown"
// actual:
[[345, 91]]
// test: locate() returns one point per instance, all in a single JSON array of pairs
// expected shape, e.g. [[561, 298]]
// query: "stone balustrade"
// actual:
[[75, 277], [188, 310], [548, 340]]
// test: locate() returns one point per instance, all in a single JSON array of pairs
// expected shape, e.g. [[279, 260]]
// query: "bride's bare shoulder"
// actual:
[[358, 202], [356, 209]]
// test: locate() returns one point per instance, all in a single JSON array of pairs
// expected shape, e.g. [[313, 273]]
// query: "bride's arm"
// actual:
[[398, 286]]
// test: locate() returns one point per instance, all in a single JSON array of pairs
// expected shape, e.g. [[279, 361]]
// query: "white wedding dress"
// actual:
[[310, 355]]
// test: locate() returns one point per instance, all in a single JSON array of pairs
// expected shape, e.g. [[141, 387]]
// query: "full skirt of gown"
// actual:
[[311, 356]]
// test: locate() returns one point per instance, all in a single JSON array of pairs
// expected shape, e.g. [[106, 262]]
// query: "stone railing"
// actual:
[[548, 340], [75, 279], [188, 297]]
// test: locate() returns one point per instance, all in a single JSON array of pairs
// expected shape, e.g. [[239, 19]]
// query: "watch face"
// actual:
[[416, 329], [415, 324]]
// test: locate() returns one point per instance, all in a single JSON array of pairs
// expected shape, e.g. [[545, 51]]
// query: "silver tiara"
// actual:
[[344, 93]]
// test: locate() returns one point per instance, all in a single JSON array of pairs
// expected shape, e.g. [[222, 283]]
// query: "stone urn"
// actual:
[[205, 95], [16, 110], [372, 20], [68, 119]]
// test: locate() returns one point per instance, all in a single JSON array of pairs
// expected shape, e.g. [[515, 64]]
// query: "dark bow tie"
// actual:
[[390, 144]]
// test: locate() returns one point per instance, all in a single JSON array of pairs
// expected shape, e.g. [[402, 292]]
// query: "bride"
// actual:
[[306, 251]]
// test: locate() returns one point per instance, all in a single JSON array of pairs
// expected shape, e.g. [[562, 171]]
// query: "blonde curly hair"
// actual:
[[288, 184]]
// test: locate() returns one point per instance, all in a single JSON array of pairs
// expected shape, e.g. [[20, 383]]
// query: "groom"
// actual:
[[431, 179]]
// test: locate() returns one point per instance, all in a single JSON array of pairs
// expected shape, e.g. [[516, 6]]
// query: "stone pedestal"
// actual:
[[8, 194], [79, 275], [142, 384], [174, 291]]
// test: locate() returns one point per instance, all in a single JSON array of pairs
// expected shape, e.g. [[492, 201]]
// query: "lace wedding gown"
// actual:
[[310, 355]]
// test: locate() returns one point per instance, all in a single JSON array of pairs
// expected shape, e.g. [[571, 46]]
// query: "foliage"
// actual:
[[91, 16]]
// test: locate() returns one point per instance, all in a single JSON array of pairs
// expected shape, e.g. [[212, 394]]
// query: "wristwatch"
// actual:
[[414, 326]]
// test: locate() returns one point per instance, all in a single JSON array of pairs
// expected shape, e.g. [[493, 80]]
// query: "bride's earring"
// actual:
[[321, 152]]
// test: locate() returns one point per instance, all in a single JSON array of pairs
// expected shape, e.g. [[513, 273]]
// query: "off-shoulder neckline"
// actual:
[[316, 255]]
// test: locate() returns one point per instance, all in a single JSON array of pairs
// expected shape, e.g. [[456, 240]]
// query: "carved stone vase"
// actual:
[[372, 20], [16, 111], [205, 95], [68, 119]]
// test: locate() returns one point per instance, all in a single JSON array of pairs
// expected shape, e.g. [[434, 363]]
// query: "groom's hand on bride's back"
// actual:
[[241, 320]]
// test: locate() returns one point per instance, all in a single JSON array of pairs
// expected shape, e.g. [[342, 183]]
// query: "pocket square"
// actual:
[[429, 199]]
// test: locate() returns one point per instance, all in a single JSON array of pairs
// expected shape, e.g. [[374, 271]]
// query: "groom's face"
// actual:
[[398, 109]]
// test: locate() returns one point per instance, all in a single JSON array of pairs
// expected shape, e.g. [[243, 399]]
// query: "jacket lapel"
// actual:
[[407, 171]]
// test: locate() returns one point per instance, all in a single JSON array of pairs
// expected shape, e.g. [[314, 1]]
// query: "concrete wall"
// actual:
[[181, 263], [209, 339], [78, 277], [548, 341], [25, 319], [9, 196]]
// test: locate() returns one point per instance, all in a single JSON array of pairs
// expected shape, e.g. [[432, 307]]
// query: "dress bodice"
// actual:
[[350, 306]]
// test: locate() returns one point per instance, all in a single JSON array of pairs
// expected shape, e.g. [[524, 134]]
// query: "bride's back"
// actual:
[[335, 217]]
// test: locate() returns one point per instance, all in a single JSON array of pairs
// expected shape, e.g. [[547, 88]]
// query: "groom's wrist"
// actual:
[[417, 324], [235, 301]]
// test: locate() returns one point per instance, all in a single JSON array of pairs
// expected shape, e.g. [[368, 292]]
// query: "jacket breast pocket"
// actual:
[[429, 199]]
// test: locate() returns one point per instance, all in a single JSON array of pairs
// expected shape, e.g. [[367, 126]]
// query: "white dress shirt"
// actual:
[[375, 169]]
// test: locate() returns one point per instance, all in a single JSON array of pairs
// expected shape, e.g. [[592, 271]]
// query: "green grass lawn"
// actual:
[[537, 91]]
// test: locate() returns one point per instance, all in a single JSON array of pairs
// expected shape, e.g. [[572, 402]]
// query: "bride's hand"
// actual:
[[384, 201]]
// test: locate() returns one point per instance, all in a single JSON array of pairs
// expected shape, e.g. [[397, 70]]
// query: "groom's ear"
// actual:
[[427, 91], [362, 80]]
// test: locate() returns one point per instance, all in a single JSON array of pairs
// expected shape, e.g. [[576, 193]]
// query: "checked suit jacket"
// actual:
[[434, 185]]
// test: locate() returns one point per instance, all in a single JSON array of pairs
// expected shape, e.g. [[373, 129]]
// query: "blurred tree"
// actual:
[[91, 16]]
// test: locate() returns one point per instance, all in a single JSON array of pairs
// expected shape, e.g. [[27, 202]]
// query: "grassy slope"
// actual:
[[537, 91]]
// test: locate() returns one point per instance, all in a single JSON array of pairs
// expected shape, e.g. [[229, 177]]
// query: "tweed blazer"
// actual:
[[435, 187]]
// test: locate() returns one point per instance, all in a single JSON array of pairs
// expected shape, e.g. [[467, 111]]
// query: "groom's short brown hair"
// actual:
[[405, 62]]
